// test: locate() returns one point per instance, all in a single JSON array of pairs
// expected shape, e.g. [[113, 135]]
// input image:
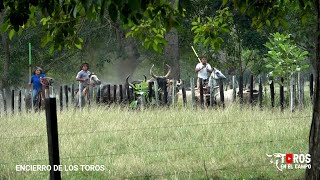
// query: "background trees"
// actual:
[[65, 33]]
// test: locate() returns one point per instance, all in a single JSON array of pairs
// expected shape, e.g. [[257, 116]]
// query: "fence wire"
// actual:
[[205, 171], [164, 150], [155, 127]]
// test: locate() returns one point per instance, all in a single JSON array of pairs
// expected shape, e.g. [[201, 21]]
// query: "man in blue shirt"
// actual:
[[36, 84]]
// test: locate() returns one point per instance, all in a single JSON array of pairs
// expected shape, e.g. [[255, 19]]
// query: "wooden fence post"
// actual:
[[311, 87], [234, 90], [61, 98], [251, 90], [281, 95], [53, 141], [272, 93], [27, 100], [5, 102], [156, 93], [72, 92], [165, 94], [121, 93], [212, 91], [115, 93], [19, 101], [108, 93], [66, 95], [128, 93], [150, 91], [201, 91], [221, 92], [260, 92], [292, 94], [184, 95], [173, 95], [193, 98], [100, 91], [301, 90], [12, 101]]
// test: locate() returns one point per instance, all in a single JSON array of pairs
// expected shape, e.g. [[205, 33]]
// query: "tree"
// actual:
[[62, 19], [284, 58], [62, 25], [273, 13]]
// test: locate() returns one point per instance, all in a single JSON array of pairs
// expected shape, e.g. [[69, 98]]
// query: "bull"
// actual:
[[109, 95], [165, 85]]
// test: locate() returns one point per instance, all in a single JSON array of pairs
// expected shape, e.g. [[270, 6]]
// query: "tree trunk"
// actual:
[[130, 62], [314, 137], [129, 54], [171, 52], [6, 64]]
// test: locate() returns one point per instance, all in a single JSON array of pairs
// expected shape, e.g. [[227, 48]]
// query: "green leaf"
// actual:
[[194, 23], [154, 30], [51, 49], [268, 22], [224, 2], [207, 41], [276, 22], [224, 30], [134, 104], [80, 39], [11, 33], [155, 47], [78, 46], [195, 40], [75, 11], [269, 66], [304, 53]]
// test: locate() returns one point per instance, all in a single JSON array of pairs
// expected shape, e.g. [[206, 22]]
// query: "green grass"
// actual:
[[158, 143]]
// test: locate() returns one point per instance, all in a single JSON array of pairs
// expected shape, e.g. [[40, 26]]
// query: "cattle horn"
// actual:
[[127, 82], [179, 82], [151, 72], [127, 79], [169, 71], [145, 78]]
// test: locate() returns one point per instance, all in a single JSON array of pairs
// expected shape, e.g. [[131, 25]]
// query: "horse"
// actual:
[[39, 101], [214, 76], [92, 81]]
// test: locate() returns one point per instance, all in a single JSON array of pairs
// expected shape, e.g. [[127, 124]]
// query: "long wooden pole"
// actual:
[[196, 53]]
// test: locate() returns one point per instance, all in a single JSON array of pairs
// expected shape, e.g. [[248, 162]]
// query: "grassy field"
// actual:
[[158, 143]]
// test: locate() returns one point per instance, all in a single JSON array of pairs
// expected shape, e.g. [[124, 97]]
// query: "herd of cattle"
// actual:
[[168, 90]]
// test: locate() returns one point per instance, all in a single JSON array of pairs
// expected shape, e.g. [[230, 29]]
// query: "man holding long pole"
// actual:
[[203, 68]]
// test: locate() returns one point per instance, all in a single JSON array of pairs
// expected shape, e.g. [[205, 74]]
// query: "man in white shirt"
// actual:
[[204, 70]]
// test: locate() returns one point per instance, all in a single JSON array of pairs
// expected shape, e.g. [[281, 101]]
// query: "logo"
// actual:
[[289, 158], [290, 161]]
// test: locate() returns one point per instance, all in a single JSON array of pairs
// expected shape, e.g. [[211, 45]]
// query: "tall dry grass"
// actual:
[[176, 143]]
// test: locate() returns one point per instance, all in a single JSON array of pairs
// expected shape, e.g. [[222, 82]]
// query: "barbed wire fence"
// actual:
[[164, 150]]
